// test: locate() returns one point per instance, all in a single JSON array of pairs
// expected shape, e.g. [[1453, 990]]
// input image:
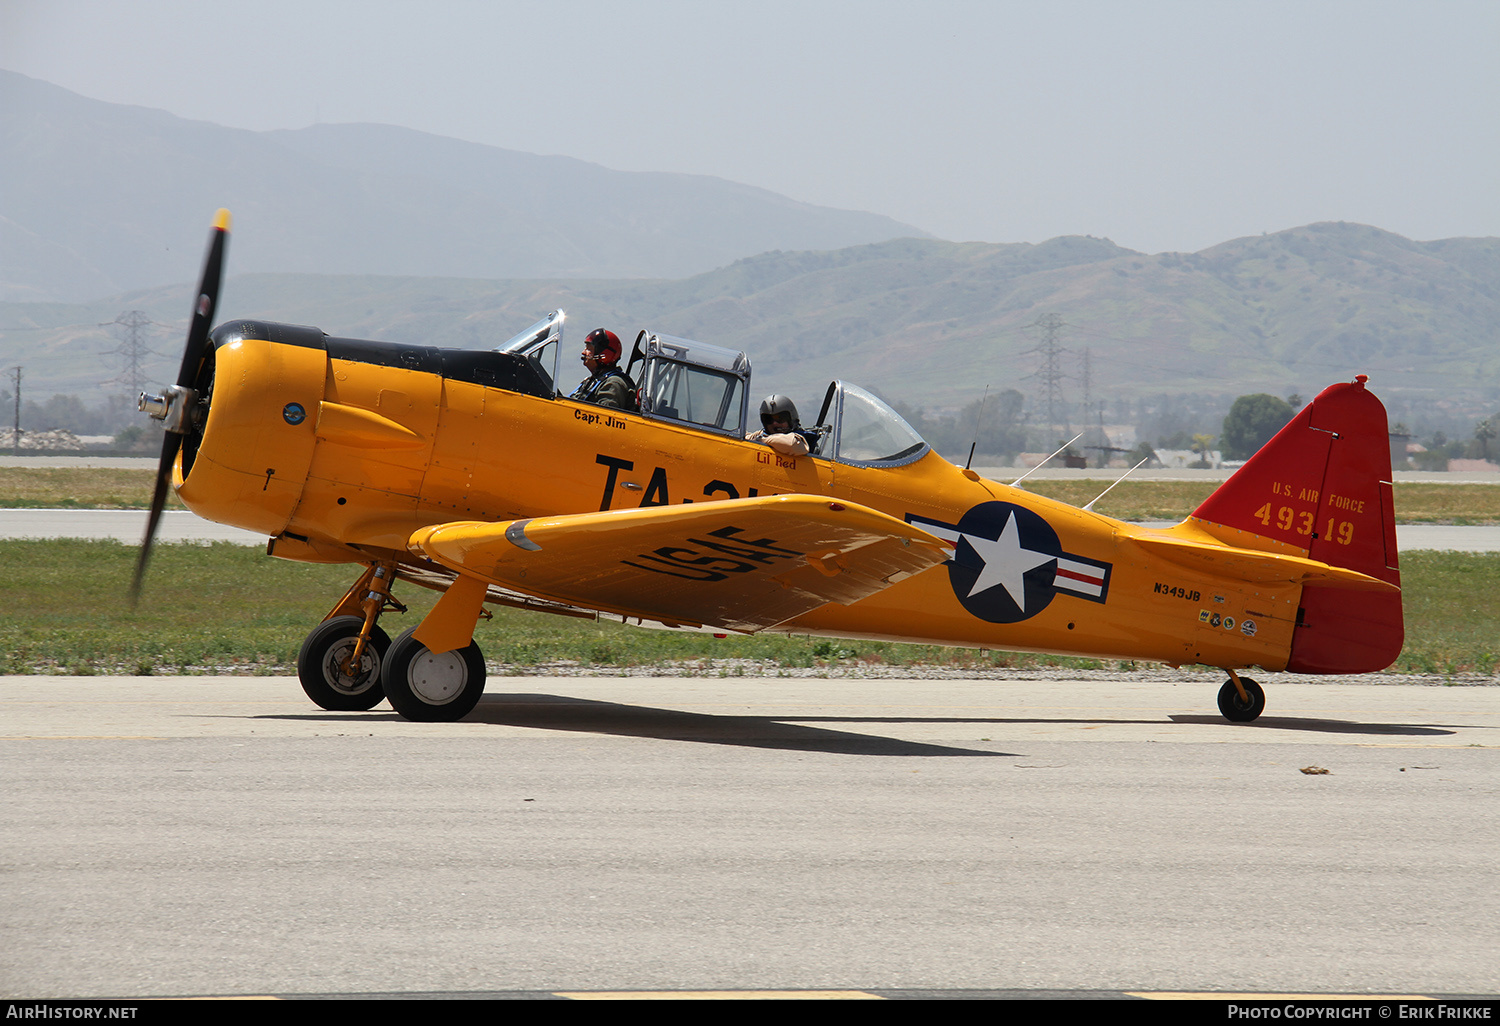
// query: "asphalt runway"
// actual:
[[167, 836]]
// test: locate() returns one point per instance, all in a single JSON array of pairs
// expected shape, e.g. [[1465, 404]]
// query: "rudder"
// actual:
[[1322, 488]]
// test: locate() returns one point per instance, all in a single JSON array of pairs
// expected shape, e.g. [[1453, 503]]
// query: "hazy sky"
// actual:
[[1161, 125]]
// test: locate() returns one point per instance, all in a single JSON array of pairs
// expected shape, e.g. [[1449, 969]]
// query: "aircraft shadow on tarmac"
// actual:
[[556, 712], [560, 712], [1327, 726]]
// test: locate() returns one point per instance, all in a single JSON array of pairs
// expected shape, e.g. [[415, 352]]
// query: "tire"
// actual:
[[329, 644], [432, 688], [1235, 708]]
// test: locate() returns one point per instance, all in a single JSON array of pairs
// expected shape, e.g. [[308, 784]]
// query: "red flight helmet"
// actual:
[[604, 343]]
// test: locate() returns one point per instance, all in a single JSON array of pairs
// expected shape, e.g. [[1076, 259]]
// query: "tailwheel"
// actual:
[[432, 687], [1237, 709], [324, 670]]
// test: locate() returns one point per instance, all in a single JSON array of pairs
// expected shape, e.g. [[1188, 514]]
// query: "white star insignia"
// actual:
[[1006, 562]]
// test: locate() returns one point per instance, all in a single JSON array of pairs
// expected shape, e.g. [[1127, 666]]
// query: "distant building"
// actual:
[[41, 441], [1400, 449], [1473, 467], [1181, 459]]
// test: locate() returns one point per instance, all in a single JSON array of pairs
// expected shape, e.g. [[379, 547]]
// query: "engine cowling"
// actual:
[[249, 466]]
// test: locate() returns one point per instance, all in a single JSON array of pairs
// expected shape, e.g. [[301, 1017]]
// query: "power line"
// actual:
[[132, 349], [1051, 372], [15, 439], [1289, 363], [1087, 394]]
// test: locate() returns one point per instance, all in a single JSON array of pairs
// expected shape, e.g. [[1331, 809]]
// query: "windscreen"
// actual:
[[869, 431]]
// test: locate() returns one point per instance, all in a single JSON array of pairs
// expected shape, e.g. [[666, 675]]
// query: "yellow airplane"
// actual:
[[466, 471]]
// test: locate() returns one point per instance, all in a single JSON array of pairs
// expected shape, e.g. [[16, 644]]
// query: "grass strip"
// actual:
[[78, 488], [226, 608]]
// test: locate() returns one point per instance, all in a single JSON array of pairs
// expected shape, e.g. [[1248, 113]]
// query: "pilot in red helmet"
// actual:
[[607, 384]]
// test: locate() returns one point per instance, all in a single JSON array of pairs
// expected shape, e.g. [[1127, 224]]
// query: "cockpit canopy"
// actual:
[[861, 429], [692, 383], [707, 387], [541, 344]]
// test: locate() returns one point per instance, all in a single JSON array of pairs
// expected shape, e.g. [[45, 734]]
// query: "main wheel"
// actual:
[[320, 665], [428, 687], [1236, 708]]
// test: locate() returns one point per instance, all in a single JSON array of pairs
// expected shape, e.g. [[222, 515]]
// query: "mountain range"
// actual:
[[99, 198], [924, 321]]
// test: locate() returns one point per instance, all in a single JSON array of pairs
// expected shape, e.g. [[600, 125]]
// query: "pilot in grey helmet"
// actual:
[[781, 428]]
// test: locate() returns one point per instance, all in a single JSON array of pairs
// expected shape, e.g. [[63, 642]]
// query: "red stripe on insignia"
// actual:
[[1076, 576]]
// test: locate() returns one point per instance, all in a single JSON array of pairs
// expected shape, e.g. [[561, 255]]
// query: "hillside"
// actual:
[[932, 323], [381, 232], [99, 198]]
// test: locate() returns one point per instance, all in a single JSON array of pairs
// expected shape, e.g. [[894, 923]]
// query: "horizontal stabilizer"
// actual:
[[1255, 567], [740, 564]]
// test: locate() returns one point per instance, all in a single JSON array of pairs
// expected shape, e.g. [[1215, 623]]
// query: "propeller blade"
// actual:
[[169, 446], [204, 304]]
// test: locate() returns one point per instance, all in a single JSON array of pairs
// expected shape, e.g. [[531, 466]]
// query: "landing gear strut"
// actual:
[[325, 669], [1241, 699], [348, 663], [339, 664]]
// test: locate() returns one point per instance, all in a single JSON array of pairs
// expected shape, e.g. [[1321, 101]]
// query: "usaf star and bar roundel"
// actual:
[[1008, 564]]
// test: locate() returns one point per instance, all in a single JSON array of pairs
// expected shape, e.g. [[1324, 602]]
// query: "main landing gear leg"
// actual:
[[339, 664], [1241, 699], [444, 685]]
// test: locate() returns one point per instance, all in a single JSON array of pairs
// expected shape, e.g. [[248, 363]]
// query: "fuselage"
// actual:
[[339, 455]]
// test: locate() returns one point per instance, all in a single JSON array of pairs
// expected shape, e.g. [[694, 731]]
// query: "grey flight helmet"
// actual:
[[773, 406]]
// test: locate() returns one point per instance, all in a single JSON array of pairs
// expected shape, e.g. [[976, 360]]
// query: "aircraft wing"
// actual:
[[740, 564], [1256, 567]]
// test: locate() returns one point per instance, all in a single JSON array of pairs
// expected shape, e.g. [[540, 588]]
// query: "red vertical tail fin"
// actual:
[[1322, 488]]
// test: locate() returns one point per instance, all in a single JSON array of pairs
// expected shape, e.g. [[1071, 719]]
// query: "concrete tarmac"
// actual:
[[223, 836], [122, 525]]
